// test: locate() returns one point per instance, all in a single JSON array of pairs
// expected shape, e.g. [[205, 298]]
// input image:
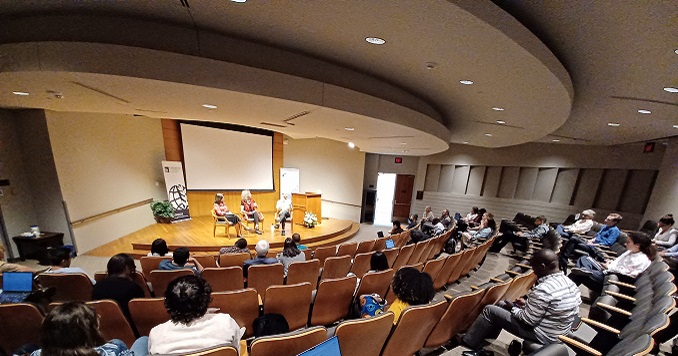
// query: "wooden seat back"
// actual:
[[260, 277], [292, 301], [351, 335], [241, 305], [69, 286], [413, 328], [224, 279], [303, 271], [332, 300]]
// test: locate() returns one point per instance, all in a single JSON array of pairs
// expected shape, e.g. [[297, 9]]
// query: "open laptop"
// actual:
[[329, 347], [16, 287], [390, 243]]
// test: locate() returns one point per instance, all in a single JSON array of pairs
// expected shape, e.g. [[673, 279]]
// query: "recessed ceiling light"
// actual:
[[488, 134], [349, 128], [351, 145], [406, 151], [613, 124], [643, 111], [671, 89], [464, 142], [239, 1], [403, 143], [500, 122], [555, 140], [375, 40], [497, 109], [675, 126], [676, 51], [466, 82], [22, 93], [431, 65], [209, 106]]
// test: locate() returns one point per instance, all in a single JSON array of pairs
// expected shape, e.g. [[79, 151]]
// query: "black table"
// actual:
[[35, 248]]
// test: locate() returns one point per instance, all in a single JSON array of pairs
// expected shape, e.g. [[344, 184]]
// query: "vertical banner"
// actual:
[[176, 189]]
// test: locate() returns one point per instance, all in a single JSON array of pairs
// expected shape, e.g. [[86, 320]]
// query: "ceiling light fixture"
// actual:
[[21, 93], [675, 126], [406, 151], [349, 128], [464, 142], [209, 106], [613, 124], [671, 89], [375, 40], [431, 65], [488, 134], [676, 51], [403, 143], [351, 145], [555, 140], [497, 109], [239, 1], [466, 82], [500, 122], [643, 111]]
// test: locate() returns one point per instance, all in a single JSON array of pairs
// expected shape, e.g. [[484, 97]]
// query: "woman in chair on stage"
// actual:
[[249, 209], [222, 212]]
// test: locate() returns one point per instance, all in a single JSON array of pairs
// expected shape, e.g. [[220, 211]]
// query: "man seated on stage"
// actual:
[[261, 259], [607, 236], [297, 240], [547, 313], [222, 212], [580, 227], [240, 246], [181, 259], [60, 262], [520, 238], [249, 209], [283, 208]]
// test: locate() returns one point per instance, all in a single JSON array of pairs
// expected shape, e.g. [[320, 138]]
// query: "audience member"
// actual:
[[396, 228], [297, 240], [119, 284], [60, 262], [666, 235], [412, 221], [283, 208], [639, 253], [11, 267], [580, 227], [428, 214], [551, 306], [222, 212], [289, 254], [262, 249], [520, 238], [432, 228], [447, 220], [607, 236], [249, 209], [472, 215], [378, 262], [181, 259], [240, 246], [191, 327], [487, 228], [159, 248], [411, 287], [73, 329]]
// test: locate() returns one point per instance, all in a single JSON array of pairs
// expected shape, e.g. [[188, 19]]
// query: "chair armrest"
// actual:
[[622, 284], [570, 341], [448, 297], [620, 295], [474, 287], [523, 265], [600, 326], [614, 309], [497, 280], [536, 242], [514, 273]]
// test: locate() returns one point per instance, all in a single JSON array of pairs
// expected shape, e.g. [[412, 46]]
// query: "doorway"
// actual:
[[385, 191]]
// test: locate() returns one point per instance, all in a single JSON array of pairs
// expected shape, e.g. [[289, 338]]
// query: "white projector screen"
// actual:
[[221, 159]]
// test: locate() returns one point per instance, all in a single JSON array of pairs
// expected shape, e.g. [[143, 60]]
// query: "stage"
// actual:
[[196, 234]]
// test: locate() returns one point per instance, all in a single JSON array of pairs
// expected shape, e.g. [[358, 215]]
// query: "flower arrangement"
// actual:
[[310, 220]]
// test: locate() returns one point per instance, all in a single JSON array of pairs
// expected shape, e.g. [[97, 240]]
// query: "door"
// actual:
[[404, 186], [384, 208]]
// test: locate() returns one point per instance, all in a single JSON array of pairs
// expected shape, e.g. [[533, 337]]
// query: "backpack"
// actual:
[[368, 305]]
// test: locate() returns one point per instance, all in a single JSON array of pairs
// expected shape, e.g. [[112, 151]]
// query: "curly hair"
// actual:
[[413, 287], [71, 329], [187, 299]]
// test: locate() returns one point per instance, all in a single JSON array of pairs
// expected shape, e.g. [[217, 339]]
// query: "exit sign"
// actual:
[[398, 160]]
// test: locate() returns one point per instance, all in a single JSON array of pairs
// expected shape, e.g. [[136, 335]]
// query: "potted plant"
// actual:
[[163, 211]]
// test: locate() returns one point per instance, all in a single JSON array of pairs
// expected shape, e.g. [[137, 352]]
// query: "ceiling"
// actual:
[[303, 68]]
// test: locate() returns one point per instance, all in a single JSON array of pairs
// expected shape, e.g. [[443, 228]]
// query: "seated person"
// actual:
[[639, 253], [262, 250], [434, 228], [240, 246], [297, 240], [607, 236], [396, 228], [73, 329], [472, 215], [289, 254], [411, 287], [249, 209], [119, 284], [667, 235], [181, 259], [428, 215], [191, 327], [222, 212], [60, 262], [521, 237], [487, 228], [548, 312], [412, 221], [12, 267], [580, 227], [478, 218], [447, 220], [159, 248], [378, 262], [283, 208]]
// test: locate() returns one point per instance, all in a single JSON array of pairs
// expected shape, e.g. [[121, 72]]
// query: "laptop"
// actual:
[[390, 243], [329, 347], [16, 287]]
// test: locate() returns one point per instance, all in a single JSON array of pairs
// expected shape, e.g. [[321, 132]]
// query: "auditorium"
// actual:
[[339, 177]]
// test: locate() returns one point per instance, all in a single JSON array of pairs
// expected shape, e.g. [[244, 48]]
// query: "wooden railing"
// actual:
[[111, 212]]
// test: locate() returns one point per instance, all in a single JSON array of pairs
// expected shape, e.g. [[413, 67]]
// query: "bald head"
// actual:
[[544, 262]]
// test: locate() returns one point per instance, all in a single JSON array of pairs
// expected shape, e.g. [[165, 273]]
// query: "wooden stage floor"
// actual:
[[196, 234]]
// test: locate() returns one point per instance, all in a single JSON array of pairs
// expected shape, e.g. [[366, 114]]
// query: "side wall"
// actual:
[[664, 199]]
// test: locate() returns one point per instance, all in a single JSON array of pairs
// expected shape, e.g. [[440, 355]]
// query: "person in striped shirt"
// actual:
[[547, 313]]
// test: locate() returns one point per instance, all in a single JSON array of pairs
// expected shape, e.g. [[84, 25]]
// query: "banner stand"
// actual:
[[176, 190]]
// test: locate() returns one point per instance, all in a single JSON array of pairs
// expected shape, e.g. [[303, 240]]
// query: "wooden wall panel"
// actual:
[[509, 181], [475, 180], [611, 189], [637, 191], [564, 187], [446, 177], [588, 182], [460, 179], [526, 182], [491, 182], [172, 139], [432, 177], [546, 180]]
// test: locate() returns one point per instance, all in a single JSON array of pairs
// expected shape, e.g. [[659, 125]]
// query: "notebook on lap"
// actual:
[[329, 347], [16, 287]]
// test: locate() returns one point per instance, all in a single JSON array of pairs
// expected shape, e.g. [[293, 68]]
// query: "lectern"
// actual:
[[303, 202]]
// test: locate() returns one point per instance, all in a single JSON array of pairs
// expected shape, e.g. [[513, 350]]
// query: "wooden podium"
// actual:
[[303, 202]]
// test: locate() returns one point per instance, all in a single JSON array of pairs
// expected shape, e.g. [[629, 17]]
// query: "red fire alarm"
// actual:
[[398, 160], [649, 147]]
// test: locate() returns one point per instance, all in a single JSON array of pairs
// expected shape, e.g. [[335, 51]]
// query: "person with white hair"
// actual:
[[261, 259], [580, 227]]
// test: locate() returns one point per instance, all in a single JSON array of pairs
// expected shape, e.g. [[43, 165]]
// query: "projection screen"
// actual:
[[222, 159]]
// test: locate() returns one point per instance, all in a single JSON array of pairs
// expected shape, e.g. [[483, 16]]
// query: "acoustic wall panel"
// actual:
[[460, 179], [587, 186], [526, 182], [446, 177], [509, 181], [611, 189], [637, 191], [564, 186], [475, 180], [546, 180], [432, 177], [491, 182]]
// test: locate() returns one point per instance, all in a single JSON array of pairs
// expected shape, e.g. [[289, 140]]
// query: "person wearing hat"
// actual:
[[261, 259], [580, 227]]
